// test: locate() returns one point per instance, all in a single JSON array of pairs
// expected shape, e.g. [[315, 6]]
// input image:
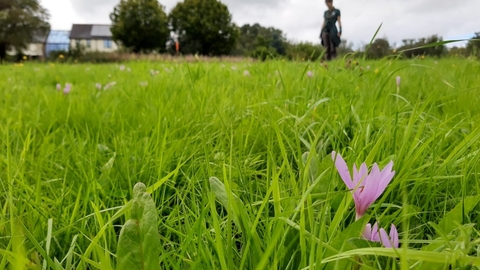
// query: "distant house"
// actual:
[[35, 49], [58, 40], [92, 37]]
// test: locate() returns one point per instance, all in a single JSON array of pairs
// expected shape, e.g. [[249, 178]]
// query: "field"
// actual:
[[237, 158]]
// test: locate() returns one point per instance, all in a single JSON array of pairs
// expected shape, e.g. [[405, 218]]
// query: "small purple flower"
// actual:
[[246, 73], [381, 236], [98, 86], [365, 187], [398, 81], [109, 85], [310, 74], [122, 68], [67, 88], [59, 86], [371, 234]]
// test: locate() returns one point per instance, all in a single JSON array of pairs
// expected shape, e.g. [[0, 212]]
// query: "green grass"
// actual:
[[68, 163]]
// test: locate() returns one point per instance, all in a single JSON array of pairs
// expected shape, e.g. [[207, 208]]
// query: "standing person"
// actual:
[[330, 36]]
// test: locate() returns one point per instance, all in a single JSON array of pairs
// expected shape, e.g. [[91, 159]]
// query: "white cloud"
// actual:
[[301, 19]]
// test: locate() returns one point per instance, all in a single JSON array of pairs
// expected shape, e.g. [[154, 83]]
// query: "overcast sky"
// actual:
[[301, 20]]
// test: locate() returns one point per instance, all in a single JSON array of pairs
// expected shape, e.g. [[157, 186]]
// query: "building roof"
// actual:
[[101, 31], [58, 37], [90, 31], [40, 37]]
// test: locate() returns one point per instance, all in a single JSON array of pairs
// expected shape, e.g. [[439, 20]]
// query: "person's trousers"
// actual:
[[330, 50]]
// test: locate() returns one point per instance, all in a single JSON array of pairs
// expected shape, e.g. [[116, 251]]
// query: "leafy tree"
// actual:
[[20, 22], [140, 25], [345, 48], [473, 46], [417, 47], [378, 49], [458, 51], [263, 53], [304, 51], [204, 27], [255, 38]]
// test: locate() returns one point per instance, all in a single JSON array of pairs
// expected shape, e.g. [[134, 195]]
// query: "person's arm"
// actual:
[[323, 24], [340, 26]]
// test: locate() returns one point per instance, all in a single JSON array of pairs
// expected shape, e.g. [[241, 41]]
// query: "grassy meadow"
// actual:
[[265, 133]]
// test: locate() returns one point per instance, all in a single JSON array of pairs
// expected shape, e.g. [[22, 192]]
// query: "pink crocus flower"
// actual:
[[59, 86], [365, 187], [122, 68], [398, 81], [381, 236], [67, 88], [310, 74]]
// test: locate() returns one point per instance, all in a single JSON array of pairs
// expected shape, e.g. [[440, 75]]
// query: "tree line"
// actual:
[[205, 27], [202, 27]]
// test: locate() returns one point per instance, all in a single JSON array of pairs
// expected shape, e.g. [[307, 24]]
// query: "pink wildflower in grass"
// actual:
[[98, 86], [246, 73], [59, 86], [365, 187], [122, 68], [398, 81], [67, 88], [309, 74], [381, 236]]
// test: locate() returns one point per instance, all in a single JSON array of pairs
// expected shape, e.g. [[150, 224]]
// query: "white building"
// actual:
[[35, 49], [92, 37]]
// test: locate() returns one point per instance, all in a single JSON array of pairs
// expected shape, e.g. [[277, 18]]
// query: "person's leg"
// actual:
[[327, 44], [333, 50]]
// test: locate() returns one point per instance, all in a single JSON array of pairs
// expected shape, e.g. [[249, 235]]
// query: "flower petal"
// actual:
[[368, 196], [384, 238], [367, 232], [360, 176], [394, 236], [386, 175], [375, 237], [342, 169]]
